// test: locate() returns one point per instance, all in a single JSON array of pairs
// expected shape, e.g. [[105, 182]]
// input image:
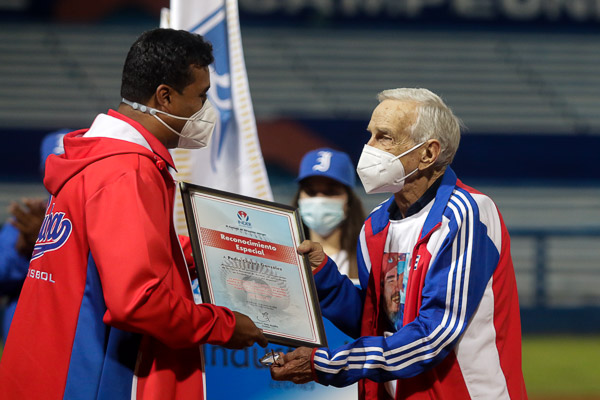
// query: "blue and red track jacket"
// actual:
[[461, 332], [106, 310]]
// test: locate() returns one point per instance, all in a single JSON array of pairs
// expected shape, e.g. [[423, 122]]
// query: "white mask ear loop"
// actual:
[[164, 123], [137, 106], [408, 151], [406, 176], [154, 111]]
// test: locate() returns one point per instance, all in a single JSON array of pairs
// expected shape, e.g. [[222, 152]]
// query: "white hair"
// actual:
[[435, 120]]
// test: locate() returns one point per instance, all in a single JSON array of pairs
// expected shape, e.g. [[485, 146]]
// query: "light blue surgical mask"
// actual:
[[322, 214]]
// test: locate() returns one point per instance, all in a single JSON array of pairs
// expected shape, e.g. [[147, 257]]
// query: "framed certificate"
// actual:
[[245, 254]]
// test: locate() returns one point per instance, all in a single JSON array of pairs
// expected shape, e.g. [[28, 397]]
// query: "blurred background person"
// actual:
[[18, 236], [331, 212]]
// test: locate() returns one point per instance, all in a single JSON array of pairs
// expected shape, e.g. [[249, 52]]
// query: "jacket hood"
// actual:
[[82, 151]]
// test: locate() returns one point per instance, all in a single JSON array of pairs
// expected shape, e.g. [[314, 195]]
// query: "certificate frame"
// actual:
[[244, 251]]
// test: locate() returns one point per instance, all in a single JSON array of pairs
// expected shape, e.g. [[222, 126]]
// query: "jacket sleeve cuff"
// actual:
[[312, 365], [323, 263], [223, 325]]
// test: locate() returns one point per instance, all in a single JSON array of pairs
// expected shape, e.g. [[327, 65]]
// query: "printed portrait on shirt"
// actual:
[[394, 279]]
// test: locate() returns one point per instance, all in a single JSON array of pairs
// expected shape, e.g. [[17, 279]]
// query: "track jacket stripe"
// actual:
[[363, 254]]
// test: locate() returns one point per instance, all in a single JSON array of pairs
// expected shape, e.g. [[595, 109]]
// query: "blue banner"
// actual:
[[238, 374]]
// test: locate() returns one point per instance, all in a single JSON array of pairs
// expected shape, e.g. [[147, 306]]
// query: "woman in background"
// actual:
[[331, 212]]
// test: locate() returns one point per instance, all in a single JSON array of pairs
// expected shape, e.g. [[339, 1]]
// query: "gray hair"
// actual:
[[435, 120]]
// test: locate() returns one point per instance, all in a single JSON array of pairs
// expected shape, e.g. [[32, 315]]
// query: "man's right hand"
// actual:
[[245, 333]]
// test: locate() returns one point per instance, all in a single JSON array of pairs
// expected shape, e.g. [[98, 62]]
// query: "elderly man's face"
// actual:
[[390, 126]]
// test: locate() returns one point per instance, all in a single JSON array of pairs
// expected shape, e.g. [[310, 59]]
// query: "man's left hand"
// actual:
[[295, 366], [314, 251]]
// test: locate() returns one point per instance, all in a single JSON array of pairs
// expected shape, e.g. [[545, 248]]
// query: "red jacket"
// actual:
[[106, 310]]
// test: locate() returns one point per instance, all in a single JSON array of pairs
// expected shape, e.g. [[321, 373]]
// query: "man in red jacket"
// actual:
[[106, 310]]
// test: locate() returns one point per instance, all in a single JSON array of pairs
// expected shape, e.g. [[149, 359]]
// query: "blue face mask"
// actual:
[[322, 214]]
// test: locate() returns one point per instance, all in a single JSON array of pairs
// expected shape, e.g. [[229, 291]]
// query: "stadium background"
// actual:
[[522, 74]]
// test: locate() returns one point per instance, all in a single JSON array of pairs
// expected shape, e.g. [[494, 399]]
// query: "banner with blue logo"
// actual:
[[233, 161], [237, 374]]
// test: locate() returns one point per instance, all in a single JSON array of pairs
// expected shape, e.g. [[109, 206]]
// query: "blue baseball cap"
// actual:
[[330, 163], [52, 143]]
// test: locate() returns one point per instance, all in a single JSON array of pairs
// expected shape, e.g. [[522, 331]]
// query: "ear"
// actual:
[[163, 95], [429, 153]]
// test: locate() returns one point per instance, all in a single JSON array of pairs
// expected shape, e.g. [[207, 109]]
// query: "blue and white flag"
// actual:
[[233, 161]]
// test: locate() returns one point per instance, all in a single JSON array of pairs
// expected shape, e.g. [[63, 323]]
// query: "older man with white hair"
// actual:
[[451, 327]]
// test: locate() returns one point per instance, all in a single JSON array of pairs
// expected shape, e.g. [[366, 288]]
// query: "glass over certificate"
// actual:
[[245, 254]]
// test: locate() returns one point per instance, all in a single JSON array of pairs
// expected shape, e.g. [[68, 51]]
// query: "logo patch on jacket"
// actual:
[[54, 233]]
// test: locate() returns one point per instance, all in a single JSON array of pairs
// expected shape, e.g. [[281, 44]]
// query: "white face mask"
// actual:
[[196, 132], [322, 214], [382, 172]]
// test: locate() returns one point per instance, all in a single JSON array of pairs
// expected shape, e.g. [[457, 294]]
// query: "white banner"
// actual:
[[233, 161]]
